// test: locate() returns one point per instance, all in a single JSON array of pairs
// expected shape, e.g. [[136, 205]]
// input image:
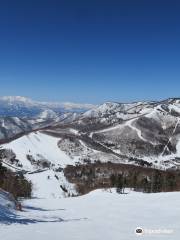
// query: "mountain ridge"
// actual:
[[18, 106]]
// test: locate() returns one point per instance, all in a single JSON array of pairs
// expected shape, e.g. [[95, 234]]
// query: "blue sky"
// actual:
[[90, 51]]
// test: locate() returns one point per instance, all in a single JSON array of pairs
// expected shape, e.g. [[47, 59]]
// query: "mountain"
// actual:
[[71, 147], [141, 130], [132, 132], [17, 106], [20, 115]]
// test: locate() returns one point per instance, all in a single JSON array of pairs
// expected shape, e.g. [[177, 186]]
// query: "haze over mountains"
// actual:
[[17, 106]]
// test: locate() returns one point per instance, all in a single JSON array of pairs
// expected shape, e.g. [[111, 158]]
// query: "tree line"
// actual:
[[92, 176], [14, 183], [156, 182]]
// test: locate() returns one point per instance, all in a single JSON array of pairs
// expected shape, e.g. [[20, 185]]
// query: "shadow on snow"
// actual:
[[41, 209], [8, 217]]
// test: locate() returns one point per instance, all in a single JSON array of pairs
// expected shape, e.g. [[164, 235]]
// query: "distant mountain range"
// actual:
[[17, 106]]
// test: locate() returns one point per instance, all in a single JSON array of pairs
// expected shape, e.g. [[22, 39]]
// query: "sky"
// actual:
[[90, 51]]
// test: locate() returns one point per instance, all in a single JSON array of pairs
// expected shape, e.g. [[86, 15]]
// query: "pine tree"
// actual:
[[120, 184]]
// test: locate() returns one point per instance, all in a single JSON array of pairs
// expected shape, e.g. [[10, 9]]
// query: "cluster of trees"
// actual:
[[14, 183], [42, 163], [106, 175], [119, 181], [155, 182]]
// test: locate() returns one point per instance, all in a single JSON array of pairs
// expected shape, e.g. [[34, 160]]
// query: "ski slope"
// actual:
[[46, 184], [40, 146], [7, 206], [98, 215]]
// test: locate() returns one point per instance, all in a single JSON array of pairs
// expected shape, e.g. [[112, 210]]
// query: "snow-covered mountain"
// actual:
[[20, 115], [142, 134], [112, 111], [17, 106], [14, 127], [139, 130], [148, 131]]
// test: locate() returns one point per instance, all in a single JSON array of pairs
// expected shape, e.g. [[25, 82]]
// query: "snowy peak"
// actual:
[[17, 106], [134, 109], [47, 114], [105, 108]]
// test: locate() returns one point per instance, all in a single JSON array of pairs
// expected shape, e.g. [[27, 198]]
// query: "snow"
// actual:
[[6, 200], [46, 182], [138, 131], [106, 108], [120, 110], [174, 107], [46, 185], [98, 215], [47, 114], [74, 131], [7, 206], [40, 146], [117, 127], [12, 100], [178, 149]]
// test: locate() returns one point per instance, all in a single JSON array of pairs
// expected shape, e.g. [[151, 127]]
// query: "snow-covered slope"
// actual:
[[7, 206], [13, 127], [99, 214], [6, 200], [119, 110], [144, 130], [40, 147], [39, 156], [50, 184]]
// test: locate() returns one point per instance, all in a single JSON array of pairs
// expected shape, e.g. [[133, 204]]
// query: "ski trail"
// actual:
[[138, 131], [166, 146]]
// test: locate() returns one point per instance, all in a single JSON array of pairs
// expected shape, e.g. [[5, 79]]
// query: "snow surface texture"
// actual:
[[47, 184], [6, 200], [98, 215], [7, 206]]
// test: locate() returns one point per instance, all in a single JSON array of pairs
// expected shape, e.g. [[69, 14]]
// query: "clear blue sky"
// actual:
[[90, 51]]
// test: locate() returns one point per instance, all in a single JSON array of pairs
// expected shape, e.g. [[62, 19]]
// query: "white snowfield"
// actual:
[[40, 146], [98, 215], [47, 184]]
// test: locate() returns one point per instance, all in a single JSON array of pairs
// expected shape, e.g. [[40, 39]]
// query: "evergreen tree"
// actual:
[[113, 180], [120, 184]]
